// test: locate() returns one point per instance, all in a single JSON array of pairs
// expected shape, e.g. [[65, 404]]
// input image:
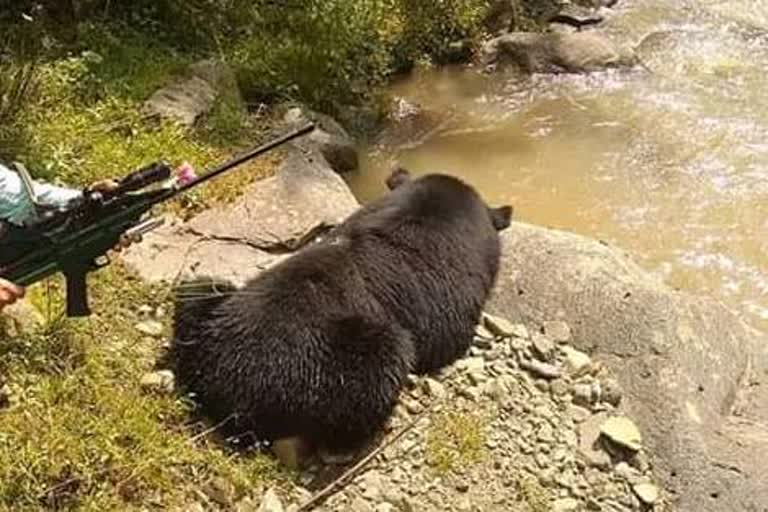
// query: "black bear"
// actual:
[[319, 346]]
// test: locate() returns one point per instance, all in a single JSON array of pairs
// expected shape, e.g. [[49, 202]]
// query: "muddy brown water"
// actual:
[[669, 162]]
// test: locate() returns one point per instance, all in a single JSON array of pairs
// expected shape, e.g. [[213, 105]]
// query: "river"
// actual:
[[669, 163]]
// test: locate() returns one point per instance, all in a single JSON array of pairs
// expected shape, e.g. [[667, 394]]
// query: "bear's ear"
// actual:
[[397, 177], [501, 217]]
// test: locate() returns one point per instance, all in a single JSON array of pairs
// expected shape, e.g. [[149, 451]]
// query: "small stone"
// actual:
[[372, 484], [220, 491], [540, 369], [150, 328], [145, 310], [292, 452], [640, 462], [622, 431], [359, 505], [434, 388], [385, 507], [413, 406], [558, 331], [579, 414], [471, 393], [480, 345], [558, 387], [246, 505], [462, 486], [583, 394], [565, 505], [471, 364], [477, 378], [543, 347], [542, 385], [482, 332], [576, 362], [546, 435], [5, 396], [498, 326], [589, 443], [648, 493], [612, 392], [162, 382], [627, 472]]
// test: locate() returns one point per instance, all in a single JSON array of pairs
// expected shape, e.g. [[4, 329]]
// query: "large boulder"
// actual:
[[695, 375], [273, 218], [329, 138], [194, 93], [552, 52]]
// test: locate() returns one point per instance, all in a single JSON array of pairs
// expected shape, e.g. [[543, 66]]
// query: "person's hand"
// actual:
[[103, 185], [9, 293]]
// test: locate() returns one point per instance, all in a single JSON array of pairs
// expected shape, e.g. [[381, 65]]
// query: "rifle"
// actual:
[[76, 240]]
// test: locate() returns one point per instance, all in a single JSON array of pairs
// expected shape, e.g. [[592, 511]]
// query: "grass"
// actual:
[[533, 495], [81, 433], [84, 121], [455, 439]]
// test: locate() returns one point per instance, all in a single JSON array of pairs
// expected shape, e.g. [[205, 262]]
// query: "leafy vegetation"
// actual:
[[455, 440]]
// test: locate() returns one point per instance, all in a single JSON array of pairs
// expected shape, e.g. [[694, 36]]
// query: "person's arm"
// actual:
[[15, 205]]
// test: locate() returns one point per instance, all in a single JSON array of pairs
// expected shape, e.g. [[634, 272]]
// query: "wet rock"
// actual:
[[622, 431], [329, 138], [648, 493], [656, 342], [555, 52], [270, 502], [161, 382]]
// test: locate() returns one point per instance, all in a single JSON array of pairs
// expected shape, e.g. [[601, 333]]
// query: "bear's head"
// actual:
[[501, 217]]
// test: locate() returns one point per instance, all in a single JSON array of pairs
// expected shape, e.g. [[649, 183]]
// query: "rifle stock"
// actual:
[[72, 241]]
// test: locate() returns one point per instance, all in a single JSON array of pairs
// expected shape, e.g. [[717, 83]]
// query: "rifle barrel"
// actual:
[[246, 156]]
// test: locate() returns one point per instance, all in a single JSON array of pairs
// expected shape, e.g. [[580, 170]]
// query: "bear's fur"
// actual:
[[320, 345]]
